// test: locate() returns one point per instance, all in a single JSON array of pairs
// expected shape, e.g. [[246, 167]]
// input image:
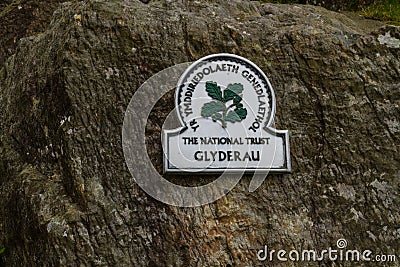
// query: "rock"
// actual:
[[21, 18], [68, 198]]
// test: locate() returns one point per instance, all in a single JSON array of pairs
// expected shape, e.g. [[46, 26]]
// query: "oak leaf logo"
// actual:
[[220, 108]]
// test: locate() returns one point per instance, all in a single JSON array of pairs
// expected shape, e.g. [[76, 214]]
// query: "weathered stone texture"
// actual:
[[68, 198]]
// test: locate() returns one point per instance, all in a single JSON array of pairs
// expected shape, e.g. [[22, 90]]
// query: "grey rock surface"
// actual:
[[21, 18], [68, 198]]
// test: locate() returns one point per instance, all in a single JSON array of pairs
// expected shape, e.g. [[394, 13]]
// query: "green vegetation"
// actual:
[[384, 10], [2, 250]]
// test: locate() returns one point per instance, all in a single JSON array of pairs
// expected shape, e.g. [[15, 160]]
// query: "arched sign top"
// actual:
[[229, 74]]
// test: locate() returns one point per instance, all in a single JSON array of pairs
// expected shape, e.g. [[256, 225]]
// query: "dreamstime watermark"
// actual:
[[340, 253], [138, 160]]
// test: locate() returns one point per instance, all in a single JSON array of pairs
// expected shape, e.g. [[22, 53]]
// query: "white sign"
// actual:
[[226, 106]]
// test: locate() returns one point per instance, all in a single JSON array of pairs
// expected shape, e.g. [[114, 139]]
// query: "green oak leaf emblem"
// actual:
[[220, 108]]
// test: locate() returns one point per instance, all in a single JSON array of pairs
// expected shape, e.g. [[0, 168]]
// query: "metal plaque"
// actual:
[[226, 106]]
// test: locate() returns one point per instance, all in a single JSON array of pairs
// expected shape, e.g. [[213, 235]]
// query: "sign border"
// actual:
[[284, 134]]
